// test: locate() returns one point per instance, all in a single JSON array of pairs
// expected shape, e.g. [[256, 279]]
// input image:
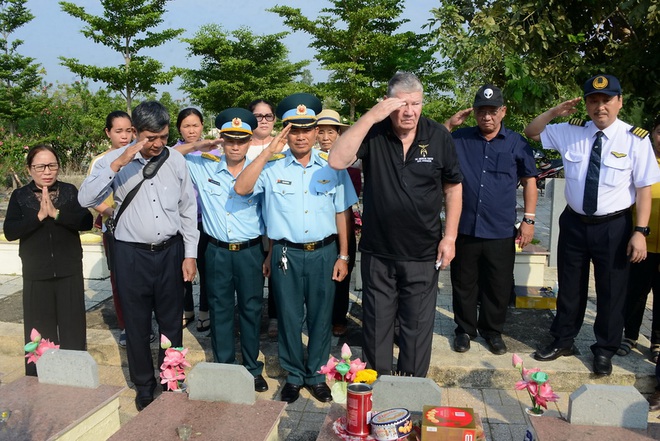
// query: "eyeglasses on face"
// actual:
[[268, 117], [39, 168], [483, 112]]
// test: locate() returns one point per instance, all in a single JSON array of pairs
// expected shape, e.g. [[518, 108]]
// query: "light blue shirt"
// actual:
[[164, 205], [225, 215], [301, 203]]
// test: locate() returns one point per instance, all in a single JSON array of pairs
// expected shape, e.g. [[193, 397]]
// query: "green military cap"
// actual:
[[299, 110], [236, 123]]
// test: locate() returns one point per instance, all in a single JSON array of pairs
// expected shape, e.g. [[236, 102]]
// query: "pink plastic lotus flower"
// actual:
[[165, 342], [172, 369], [37, 346], [536, 383], [174, 357], [172, 377]]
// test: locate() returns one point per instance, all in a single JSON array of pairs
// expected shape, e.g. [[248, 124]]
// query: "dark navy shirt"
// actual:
[[491, 170], [403, 196]]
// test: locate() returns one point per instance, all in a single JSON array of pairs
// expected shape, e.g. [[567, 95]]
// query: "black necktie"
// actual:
[[590, 202]]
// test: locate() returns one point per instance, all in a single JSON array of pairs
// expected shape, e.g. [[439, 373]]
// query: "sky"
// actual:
[[53, 33]]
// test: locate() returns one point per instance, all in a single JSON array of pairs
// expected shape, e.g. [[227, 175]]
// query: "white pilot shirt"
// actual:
[[627, 162]]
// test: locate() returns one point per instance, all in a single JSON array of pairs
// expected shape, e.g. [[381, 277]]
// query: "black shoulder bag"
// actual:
[[148, 172]]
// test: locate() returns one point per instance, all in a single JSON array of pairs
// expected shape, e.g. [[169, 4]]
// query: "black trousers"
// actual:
[[343, 288], [604, 244], [481, 266], [149, 281], [56, 308], [644, 277], [406, 291]]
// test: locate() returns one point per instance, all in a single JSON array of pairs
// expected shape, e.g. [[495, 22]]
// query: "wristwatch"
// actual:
[[346, 258], [528, 221], [644, 230]]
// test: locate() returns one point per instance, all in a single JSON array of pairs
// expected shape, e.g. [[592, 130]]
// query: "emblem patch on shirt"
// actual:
[[282, 181], [619, 155], [423, 151]]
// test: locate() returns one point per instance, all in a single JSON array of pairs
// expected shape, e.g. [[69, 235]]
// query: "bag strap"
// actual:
[[148, 172]]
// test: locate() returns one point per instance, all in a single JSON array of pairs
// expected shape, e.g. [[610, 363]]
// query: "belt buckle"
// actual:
[[309, 246], [152, 247], [234, 247]]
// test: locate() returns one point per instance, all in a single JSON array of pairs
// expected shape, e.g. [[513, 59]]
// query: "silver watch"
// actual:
[[346, 258]]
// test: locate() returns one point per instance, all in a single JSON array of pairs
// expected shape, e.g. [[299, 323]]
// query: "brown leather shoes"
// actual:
[[654, 401]]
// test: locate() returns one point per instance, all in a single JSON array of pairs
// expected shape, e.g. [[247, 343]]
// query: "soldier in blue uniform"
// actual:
[[608, 167], [306, 206], [235, 254]]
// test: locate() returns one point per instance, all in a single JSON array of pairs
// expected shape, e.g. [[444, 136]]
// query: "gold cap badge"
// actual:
[[600, 82], [301, 109], [236, 122]]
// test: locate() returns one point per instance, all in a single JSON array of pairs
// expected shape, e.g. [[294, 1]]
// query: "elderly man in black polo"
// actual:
[[155, 238], [409, 165]]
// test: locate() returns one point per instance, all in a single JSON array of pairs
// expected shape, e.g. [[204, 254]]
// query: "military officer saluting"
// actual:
[[235, 253], [609, 166], [306, 206]]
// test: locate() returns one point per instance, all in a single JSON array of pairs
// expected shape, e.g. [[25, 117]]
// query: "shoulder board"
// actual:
[[577, 122], [207, 155], [638, 131], [276, 156], [324, 156]]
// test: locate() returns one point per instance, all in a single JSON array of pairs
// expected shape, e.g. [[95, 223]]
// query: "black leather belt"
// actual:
[[598, 219], [155, 246], [235, 246], [309, 246]]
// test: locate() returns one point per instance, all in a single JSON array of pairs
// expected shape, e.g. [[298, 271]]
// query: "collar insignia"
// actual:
[[323, 155]]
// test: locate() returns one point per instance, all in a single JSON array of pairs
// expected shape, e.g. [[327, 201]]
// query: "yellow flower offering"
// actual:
[[365, 376]]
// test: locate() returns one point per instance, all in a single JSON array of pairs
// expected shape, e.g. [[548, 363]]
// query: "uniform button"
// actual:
[[306, 211], [154, 200], [304, 172], [231, 197], [306, 231], [158, 234], [250, 201], [156, 217], [305, 191], [282, 191], [486, 156], [152, 183]]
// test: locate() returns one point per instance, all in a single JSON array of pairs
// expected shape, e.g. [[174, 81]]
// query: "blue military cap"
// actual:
[[299, 110], [236, 123], [607, 84]]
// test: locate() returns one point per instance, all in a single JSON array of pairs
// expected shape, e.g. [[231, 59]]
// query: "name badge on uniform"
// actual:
[[323, 181], [214, 182], [282, 181]]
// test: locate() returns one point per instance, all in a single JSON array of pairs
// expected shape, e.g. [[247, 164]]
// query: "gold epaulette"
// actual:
[[324, 156], [577, 122], [638, 131], [207, 155], [276, 156]]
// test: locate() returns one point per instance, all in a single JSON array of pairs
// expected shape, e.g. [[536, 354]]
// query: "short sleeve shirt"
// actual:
[[491, 170], [403, 196], [627, 163], [226, 216], [301, 202]]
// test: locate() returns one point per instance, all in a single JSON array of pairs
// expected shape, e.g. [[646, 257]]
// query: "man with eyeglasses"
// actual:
[[156, 238], [493, 159], [409, 165]]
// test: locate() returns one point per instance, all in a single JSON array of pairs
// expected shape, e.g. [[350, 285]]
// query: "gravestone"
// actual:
[[607, 405], [68, 368], [411, 393], [221, 382]]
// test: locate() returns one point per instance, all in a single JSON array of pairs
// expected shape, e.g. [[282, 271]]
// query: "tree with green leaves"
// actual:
[[19, 75], [542, 52], [238, 67], [125, 28], [358, 42]]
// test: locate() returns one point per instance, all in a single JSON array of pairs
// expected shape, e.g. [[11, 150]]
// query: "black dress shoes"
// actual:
[[143, 401], [551, 352], [654, 401], [602, 365], [321, 392], [462, 343], [290, 392], [260, 384], [496, 344]]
